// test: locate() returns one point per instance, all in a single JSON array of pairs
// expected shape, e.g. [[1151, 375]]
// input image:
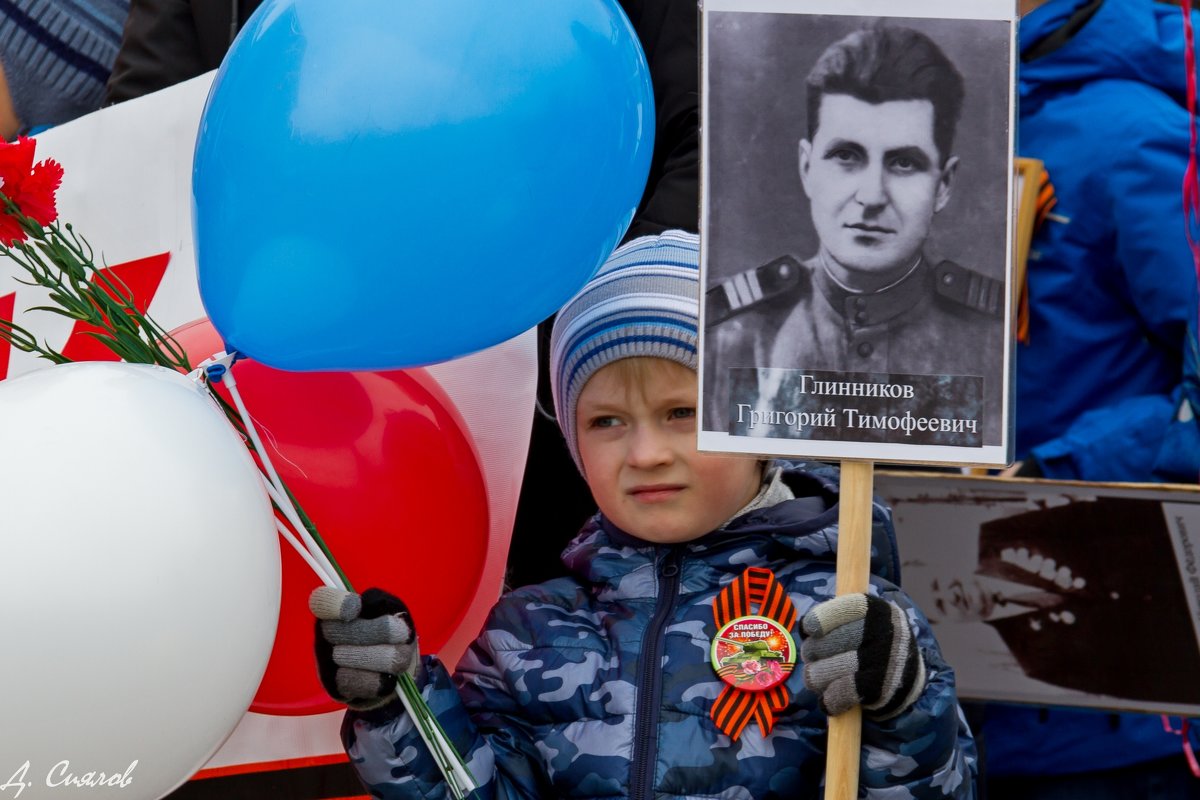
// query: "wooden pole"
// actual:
[[853, 573]]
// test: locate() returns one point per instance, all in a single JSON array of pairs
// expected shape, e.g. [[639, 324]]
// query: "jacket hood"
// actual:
[[802, 529], [1136, 40]]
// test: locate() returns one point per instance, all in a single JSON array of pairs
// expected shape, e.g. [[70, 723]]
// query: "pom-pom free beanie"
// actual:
[[643, 301]]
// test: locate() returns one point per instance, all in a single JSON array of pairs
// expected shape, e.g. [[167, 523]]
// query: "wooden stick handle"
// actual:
[[853, 574]]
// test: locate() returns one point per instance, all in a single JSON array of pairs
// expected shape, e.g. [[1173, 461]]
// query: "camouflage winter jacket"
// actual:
[[600, 685]]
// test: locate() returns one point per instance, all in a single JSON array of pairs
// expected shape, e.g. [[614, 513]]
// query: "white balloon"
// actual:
[[139, 581]]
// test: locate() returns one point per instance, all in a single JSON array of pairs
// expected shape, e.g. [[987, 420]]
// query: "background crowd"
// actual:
[[1106, 381]]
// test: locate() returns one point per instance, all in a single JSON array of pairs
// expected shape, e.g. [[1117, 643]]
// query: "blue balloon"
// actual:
[[381, 184]]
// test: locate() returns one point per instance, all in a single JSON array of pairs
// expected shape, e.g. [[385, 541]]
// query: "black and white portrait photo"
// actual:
[[856, 223]]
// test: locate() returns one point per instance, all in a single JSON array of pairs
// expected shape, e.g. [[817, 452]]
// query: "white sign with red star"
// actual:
[[127, 190]]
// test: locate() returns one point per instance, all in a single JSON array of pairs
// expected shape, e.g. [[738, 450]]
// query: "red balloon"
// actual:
[[381, 463]]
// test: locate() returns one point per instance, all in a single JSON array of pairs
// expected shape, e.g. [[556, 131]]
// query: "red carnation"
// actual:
[[31, 188]]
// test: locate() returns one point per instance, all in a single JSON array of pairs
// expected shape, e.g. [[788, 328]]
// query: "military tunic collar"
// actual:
[[862, 309]]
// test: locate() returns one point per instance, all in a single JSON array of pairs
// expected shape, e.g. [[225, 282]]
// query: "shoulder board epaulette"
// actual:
[[966, 287], [753, 287]]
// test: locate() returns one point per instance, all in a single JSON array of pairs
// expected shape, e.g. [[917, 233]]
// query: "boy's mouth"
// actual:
[[655, 492]]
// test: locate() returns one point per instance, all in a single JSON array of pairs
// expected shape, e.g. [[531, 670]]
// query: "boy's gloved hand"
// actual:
[[363, 642], [859, 650]]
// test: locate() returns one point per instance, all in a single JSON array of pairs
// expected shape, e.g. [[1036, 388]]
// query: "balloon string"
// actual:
[[313, 554], [318, 550], [326, 568], [286, 533], [458, 777]]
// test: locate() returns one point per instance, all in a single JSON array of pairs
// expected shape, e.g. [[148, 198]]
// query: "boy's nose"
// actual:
[[649, 448]]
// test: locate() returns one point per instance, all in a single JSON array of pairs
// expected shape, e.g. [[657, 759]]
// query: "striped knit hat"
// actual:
[[57, 55], [643, 301]]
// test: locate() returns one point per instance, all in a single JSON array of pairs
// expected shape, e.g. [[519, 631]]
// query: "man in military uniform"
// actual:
[[877, 166]]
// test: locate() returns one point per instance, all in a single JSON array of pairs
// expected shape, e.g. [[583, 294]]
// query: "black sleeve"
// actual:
[[160, 48], [668, 31]]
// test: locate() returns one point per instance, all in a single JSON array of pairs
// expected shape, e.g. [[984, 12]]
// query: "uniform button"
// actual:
[[865, 349], [948, 278], [860, 303], [860, 317]]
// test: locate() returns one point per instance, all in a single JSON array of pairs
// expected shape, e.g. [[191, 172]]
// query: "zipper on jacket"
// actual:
[[649, 688]]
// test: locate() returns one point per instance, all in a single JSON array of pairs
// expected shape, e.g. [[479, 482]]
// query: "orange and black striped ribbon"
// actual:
[[1046, 201], [754, 592]]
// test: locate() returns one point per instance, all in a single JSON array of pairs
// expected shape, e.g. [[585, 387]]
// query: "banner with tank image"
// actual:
[[1037, 596]]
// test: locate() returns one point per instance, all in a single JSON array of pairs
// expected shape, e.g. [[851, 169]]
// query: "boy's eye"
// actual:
[[603, 422], [684, 412]]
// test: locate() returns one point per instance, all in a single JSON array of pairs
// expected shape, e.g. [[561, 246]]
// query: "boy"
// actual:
[[664, 666]]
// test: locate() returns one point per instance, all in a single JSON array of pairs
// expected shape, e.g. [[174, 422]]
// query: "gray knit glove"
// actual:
[[859, 650], [362, 643]]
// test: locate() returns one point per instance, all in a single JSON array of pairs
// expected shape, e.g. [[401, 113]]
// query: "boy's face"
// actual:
[[637, 441]]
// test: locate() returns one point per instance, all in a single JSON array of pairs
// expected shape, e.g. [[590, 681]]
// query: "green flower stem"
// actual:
[[312, 530], [284, 493], [23, 340], [458, 777]]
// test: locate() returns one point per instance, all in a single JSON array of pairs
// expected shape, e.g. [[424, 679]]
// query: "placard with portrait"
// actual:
[[857, 229]]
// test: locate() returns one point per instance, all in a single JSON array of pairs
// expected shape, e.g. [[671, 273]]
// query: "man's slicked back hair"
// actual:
[[882, 62]]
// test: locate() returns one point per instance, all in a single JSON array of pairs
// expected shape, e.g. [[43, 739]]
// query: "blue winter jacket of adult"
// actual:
[[1103, 386], [600, 684], [1111, 279]]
